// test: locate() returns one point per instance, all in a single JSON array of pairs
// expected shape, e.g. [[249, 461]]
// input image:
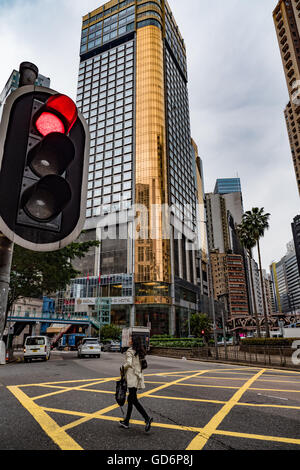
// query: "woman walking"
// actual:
[[135, 380]]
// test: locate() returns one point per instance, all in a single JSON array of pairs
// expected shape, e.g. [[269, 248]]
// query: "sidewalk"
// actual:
[[233, 356]]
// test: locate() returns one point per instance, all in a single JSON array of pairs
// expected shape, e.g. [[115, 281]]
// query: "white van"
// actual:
[[37, 347]]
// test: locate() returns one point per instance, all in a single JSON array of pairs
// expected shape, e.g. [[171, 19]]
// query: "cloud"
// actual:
[[47, 33], [238, 93]]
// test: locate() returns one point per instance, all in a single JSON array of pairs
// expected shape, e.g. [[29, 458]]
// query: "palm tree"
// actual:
[[249, 243], [257, 222]]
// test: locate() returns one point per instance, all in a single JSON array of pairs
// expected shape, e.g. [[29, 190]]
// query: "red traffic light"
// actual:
[[202, 332], [47, 123], [57, 115]]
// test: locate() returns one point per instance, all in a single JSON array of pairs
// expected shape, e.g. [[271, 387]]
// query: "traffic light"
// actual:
[[44, 152]]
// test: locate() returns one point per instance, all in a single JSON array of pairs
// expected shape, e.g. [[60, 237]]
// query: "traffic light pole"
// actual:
[[28, 76], [6, 252]]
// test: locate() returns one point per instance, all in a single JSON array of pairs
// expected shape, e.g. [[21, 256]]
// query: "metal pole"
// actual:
[[224, 333], [6, 252]]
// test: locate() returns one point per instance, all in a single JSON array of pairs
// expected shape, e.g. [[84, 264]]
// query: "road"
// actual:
[[68, 403]]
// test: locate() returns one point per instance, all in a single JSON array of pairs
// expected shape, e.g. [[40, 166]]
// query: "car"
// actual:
[[89, 347], [37, 347], [112, 346]]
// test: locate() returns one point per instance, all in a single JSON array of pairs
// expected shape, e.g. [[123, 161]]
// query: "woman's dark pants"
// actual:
[[132, 400]]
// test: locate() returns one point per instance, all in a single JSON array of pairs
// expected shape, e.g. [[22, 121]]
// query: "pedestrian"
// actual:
[[135, 380]]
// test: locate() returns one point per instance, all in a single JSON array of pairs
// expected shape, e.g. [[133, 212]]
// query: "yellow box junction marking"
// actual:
[[55, 432], [59, 433], [199, 441]]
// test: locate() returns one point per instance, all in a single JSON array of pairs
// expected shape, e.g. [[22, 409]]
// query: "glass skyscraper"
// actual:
[[132, 90], [228, 185]]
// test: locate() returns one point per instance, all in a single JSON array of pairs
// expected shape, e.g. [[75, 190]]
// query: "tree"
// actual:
[[249, 242], [200, 322], [34, 274], [110, 332], [257, 222]]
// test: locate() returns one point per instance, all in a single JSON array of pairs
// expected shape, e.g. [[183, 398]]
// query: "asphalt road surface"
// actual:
[[68, 404]]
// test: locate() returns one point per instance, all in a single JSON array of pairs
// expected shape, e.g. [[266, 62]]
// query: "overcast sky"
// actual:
[[237, 90]]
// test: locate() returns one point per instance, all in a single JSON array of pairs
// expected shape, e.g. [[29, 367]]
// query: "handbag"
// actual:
[[121, 389], [144, 364]]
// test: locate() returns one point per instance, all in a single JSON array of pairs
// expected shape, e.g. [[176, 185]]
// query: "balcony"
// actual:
[[283, 40], [278, 16], [285, 48], [282, 32]]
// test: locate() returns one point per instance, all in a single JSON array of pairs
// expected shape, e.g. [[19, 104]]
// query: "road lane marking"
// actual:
[[69, 389], [199, 441], [184, 428], [197, 385], [188, 399], [55, 432], [261, 437], [132, 421], [264, 405], [144, 394], [274, 390], [271, 396], [60, 432], [113, 407]]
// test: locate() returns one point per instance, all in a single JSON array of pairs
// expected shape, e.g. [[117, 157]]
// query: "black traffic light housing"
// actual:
[[44, 153]]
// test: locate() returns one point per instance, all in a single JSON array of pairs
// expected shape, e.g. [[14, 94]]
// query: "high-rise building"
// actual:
[[223, 213], [229, 281], [255, 286], [224, 209], [132, 90], [287, 24], [228, 185], [296, 236], [202, 253], [13, 83], [286, 278], [269, 293]]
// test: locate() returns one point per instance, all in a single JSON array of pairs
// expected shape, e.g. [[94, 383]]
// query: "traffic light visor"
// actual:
[[52, 155], [57, 115], [47, 198]]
